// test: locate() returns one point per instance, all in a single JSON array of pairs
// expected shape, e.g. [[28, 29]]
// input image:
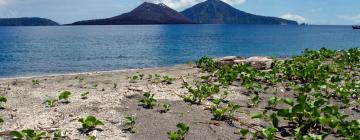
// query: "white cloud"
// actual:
[[289, 16], [355, 19], [182, 4], [3, 2]]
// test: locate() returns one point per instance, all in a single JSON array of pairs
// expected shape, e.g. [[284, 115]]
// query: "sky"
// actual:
[[320, 12]]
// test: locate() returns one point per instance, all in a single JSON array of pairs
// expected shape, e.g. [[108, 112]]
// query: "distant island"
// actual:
[[219, 12], [27, 21], [146, 13], [208, 12]]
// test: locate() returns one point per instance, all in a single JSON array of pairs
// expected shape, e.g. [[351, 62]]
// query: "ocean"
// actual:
[[33, 51]]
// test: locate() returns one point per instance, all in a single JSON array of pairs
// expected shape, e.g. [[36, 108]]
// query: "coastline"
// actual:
[[30, 76]]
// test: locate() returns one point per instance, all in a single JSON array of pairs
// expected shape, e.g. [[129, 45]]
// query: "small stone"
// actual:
[[135, 88]]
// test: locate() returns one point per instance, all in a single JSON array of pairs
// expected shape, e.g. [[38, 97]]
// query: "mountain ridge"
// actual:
[[146, 13], [219, 12]]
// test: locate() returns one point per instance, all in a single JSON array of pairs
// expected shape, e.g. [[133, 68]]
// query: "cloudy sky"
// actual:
[[67, 11]]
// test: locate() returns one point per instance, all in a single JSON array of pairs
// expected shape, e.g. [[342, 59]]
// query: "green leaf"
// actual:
[[174, 136], [269, 132], [272, 100], [298, 108], [91, 138], [3, 99], [16, 134], [256, 115], [289, 101], [85, 94], [216, 101], [244, 132], [180, 133], [183, 127], [274, 120], [284, 113], [64, 95], [90, 122]]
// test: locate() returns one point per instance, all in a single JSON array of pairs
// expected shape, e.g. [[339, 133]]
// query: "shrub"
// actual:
[[206, 64]]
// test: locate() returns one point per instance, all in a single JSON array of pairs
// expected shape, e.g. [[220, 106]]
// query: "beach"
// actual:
[[25, 107], [157, 99]]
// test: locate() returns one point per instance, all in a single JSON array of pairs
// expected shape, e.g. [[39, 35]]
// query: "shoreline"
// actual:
[[90, 72]]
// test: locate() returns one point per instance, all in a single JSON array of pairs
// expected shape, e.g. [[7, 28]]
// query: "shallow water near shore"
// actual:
[[27, 51]]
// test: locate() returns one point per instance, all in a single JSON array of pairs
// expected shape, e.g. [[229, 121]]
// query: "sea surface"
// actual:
[[32, 51]]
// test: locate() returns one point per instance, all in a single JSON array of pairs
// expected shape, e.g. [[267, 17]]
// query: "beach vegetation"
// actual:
[[64, 96], [223, 112], [89, 123], [85, 95], [90, 138], [179, 134], [129, 123], [3, 100], [168, 80], [206, 64], [149, 101], [28, 134], [254, 101], [35, 82], [166, 108], [59, 135], [138, 76], [50, 102], [324, 87], [201, 91]]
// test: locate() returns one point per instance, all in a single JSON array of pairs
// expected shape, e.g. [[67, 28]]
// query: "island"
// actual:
[[27, 21]]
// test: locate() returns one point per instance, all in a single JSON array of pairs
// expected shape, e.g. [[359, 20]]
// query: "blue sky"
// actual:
[[329, 12]]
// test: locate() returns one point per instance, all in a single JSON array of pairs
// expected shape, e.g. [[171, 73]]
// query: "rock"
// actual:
[[258, 62], [228, 60]]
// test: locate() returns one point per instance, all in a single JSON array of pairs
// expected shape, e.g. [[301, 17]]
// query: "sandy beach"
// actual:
[[112, 96]]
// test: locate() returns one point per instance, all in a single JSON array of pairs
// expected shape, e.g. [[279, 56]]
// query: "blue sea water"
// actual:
[[27, 51]]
